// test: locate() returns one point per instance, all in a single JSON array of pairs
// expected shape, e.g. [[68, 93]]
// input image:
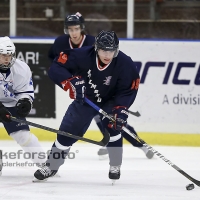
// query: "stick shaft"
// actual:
[[145, 144], [103, 142]]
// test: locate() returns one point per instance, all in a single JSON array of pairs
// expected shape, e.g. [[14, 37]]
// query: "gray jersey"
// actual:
[[16, 84]]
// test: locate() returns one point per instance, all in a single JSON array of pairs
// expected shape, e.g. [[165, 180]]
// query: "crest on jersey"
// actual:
[[107, 80]]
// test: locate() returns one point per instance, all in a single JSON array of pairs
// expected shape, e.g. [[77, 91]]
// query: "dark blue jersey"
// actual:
[[116, 81], [63, 42]]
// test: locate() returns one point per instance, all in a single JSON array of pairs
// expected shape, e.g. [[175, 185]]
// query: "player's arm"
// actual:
[[51, 54], [62, 72], [62, 68], [127, 89], [126, 92], [24, 91], [127, 84]]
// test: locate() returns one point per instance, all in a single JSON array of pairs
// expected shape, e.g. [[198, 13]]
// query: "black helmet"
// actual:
[[73, 20], [107, 41]]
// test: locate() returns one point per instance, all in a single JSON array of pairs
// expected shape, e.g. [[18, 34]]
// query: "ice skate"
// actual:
[[41, 165], [149, 154], [103, 153], [43, 174], [114, 173]]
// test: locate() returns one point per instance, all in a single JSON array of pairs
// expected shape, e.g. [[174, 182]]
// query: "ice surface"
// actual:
[[86, 177]]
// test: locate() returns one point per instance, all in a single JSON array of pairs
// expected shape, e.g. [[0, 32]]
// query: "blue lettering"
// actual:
[[147, 66], [180, 65], [197, 78], [176, 80], [168, 72]]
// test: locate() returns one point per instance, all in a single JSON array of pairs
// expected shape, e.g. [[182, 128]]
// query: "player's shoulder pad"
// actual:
[[126, 61], [62, 38], [80, 52], [90, 37], [20, 68]]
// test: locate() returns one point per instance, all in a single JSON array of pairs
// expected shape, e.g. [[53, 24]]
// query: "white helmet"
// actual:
[[7, 48]]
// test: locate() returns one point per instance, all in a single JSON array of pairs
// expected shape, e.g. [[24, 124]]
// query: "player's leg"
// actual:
[[102, 152], [28, 141], [114, 147], [30, 144], [76, 121], [135, 143]]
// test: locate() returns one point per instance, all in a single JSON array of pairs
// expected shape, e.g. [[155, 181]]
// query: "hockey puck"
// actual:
[[190, 186]]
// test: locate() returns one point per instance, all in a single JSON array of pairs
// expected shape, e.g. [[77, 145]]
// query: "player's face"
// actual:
[[75, 34], [5, 59], [106, 56]]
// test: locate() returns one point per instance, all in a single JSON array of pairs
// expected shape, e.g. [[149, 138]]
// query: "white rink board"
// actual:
[[155, 100], [158, 103]]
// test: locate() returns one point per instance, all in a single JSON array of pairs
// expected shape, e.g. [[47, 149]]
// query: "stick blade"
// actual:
[[106, 138], [137, 114]]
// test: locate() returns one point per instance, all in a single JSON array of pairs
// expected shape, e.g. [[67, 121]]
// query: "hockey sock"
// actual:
[[29, 143], [57, 155], [115, 150]]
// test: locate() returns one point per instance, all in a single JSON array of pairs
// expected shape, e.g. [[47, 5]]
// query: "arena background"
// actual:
[[164, 45]]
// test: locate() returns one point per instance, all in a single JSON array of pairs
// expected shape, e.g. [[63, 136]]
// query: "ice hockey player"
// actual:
[[107, 77], [16, 98], [75, 37]]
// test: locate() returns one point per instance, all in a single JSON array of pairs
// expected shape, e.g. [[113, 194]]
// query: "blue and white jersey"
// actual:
[[16, 84]]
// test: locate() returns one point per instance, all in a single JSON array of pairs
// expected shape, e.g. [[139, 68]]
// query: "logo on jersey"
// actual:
[[135, 84], [107, 80], [21, 124], [62, 58], [31, 81], [92, 85]]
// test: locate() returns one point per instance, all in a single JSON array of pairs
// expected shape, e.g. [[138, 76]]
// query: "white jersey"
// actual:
[[16, 84]]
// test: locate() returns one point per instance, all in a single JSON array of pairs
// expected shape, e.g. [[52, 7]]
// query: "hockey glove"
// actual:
[[23, 107], [120, 114], [76, 86], [3, 113]]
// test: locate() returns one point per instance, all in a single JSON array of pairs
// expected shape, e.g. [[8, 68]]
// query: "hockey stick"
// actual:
[[103, 142], [1, 162], [145, 144], [137, 114]]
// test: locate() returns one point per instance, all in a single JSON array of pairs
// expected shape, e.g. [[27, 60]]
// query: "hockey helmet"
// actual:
[[7, 48], [107, 41], [73, 20]]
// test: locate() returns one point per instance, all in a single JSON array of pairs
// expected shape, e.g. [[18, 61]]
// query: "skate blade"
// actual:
[[35, 180], [55, 176], [113, 182], [103, 157]]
